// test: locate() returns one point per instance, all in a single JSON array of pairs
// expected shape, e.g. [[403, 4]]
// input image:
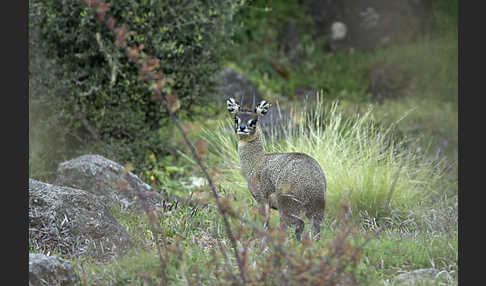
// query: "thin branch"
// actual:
[[211, 185], [146, 68]]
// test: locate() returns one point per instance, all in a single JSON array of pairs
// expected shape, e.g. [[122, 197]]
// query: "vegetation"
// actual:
[[361, 163], [102, 86], [391, 165]]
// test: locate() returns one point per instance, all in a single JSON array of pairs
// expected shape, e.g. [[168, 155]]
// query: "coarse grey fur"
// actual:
[[292, 183]]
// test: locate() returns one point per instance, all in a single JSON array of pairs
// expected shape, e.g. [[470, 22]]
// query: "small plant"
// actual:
[[164, 173]]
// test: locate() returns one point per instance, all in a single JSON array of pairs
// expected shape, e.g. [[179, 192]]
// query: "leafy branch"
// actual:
[[148, 68]]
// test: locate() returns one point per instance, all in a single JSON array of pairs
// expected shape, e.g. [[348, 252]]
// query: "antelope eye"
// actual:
[[252, 122], [236, 119]]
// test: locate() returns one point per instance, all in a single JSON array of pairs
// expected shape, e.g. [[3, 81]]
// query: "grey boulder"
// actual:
[[74, 223], [109, 180], [51, 270]]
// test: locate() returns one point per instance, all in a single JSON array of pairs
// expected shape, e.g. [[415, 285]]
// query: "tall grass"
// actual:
[[364, 163]]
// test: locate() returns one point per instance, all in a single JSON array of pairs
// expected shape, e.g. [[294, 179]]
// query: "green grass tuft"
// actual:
[[363, 164]]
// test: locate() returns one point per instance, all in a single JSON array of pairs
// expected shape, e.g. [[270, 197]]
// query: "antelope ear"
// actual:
[[233, 107], [262, 108]]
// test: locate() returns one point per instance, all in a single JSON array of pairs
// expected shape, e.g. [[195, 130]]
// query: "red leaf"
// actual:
[[111, 23], [201, 146], [103, 7], [101, 17], [156, 95], [91, 3], [173, 102]]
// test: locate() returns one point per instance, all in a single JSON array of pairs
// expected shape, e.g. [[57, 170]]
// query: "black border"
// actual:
[[471, 89], [15, 144], [461, 276]]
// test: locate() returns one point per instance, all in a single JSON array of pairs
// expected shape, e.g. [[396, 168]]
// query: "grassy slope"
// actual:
[[417, 233]]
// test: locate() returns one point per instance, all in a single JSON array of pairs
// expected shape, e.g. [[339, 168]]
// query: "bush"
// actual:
[[53, 135], [188, 37]]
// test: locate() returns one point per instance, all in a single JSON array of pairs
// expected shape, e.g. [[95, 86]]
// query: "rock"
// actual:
[[234, 84], [338, 31], [108, 179], [418, 277], [51, 270], [73, 222], [274, 123]]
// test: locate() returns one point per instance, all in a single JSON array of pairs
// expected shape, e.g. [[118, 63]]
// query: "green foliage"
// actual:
[[196, 243], [431, 61], [144, 267], [54, 127], [196, 249], [189, 230], [261, 54], [431, 64], [387, 253], [102, 84], [445, 15], [165, 173]]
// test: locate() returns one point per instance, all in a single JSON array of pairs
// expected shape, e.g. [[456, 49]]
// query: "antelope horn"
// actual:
[[253, 105], [241, 101]]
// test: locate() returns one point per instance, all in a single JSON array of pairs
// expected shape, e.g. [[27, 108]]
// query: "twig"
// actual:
[[211, 185], [226, 260], [146, 65]]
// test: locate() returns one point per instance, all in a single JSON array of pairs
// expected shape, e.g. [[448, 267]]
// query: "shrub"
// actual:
[[53, 135], [188, 38]]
